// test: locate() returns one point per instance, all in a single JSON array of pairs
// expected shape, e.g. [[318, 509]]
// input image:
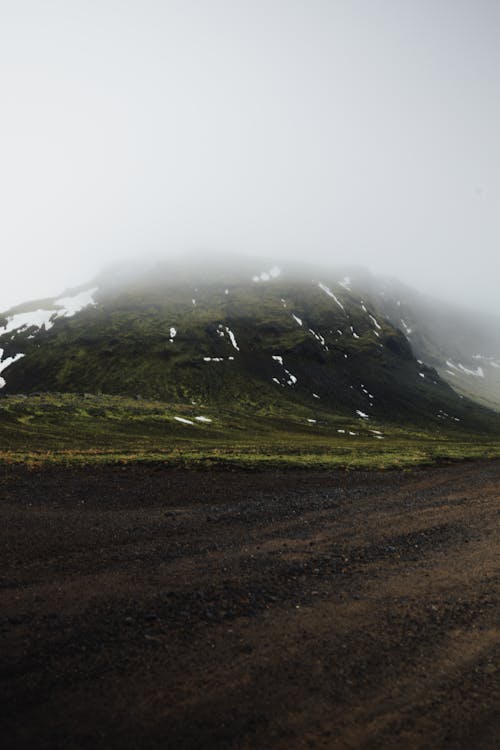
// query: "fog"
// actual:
[[335, 131]]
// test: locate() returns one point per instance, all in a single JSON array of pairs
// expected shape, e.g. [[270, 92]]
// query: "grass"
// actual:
[[67, 429]]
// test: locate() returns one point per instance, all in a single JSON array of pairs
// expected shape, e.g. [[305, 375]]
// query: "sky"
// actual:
[[343, 131]]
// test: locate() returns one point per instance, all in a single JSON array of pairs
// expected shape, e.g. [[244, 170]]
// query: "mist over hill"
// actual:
[[258, 335]]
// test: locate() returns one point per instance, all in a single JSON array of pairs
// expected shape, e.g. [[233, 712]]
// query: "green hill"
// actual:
[[285, 346]]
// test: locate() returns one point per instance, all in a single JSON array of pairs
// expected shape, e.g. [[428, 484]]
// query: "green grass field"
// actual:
[[72, 428]]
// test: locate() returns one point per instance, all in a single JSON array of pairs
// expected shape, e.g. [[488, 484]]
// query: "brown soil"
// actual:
[[143, 608]]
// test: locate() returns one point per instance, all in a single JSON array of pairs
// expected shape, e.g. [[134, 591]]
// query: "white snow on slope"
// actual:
[[203, 419], [290, 379], [319, 338], [374, 321], [362, 414], [328, 291], [233, 339], [477, 373], [489, 360], [297, 320], [184, 421], [36, 318], [9, 361], [273, 273], [68, 306], [6, 363], [72, 305], [346, 283]]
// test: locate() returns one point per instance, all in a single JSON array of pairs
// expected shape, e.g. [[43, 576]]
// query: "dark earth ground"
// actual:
[[145, 607]]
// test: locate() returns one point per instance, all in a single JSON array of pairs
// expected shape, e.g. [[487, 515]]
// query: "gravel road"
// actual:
[[143, 607]]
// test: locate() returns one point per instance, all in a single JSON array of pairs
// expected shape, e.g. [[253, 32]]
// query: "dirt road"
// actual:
[[142, 607]]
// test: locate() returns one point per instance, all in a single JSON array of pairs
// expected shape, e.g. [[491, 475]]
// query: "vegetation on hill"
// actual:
[[277, 367]]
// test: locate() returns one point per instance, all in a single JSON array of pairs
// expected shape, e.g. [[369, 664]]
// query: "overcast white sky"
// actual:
[[350, 130]]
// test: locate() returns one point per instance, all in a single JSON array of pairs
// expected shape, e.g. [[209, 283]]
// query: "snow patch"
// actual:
[[319, 338], [273, 273], [329, 292], [362, 414], [346, 283], [72, 305], [233, 340], [477, 373], [290, 378], [6, 363], [203, 419], [37, 318], [66, 308], [297, 319], [184, 421], [489, 360]]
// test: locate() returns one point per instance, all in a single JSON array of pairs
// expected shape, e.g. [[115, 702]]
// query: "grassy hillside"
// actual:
[[72, 428], [229, 368], [252, 343]]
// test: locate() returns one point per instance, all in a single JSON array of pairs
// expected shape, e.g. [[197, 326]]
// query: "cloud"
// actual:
[[336, 131]]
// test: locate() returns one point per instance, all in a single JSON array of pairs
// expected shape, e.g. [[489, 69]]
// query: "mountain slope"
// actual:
[[259, 341], [463, 345]]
